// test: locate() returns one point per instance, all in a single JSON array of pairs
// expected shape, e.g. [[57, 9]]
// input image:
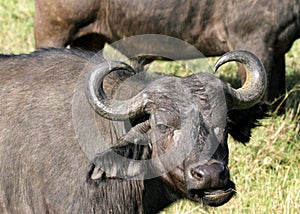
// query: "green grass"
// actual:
[[16, 26], [266, 171]]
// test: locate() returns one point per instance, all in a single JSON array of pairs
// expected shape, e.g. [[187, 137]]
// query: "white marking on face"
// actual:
[[176, 135], [218, 133]]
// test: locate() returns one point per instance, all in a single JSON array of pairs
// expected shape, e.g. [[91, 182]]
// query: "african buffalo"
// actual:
[[266, 28], [45, 169]]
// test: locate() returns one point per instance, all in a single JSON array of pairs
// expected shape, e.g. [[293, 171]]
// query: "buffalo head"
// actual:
[[180, 128]]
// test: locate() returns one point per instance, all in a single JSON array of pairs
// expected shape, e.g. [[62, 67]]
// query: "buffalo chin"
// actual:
[[212, 198]]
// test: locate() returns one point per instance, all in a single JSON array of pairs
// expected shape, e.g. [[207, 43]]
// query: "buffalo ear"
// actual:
[[124, 162], [241, 122]]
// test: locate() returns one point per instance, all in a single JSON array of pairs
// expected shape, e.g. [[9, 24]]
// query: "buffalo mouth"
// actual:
[[211, 197]]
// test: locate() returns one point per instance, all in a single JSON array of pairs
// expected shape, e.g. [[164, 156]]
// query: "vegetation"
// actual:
[[266, 171], [16, 26]]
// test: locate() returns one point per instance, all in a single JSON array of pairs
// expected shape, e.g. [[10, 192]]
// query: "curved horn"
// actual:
[[109, 108], [256, 79]]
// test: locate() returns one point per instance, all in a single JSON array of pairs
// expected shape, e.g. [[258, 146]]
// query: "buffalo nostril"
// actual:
[[224, 173], [220, 171], [213, 175], [198, 174]]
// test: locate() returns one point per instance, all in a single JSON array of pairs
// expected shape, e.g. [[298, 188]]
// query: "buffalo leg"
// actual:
[[276, 85]]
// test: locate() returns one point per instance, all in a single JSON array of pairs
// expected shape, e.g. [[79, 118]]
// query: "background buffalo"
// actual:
[[266, 28]]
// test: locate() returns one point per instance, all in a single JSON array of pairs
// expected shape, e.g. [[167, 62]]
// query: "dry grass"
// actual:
[[16, 26]]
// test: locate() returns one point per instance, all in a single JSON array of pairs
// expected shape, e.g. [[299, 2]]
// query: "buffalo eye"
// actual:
[[162, 127]]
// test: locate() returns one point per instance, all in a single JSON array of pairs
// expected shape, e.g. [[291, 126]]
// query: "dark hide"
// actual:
[[266, 28], [43, 168]]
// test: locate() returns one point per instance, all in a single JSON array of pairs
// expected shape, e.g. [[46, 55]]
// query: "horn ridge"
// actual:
[[253, 88], [110, 108]]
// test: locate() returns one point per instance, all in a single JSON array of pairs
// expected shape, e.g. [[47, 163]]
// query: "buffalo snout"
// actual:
[[210, 175], [209, 182]]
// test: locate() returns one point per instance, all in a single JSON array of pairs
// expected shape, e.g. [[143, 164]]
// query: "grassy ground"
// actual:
[[16, 26], [266, 171]]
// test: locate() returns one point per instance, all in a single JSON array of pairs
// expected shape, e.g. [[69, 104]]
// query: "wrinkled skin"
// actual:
[[266, 28], [172, 120], [44, 169]]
